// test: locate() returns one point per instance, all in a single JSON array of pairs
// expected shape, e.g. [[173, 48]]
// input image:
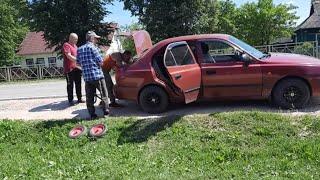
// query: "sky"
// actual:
[[123, 17]]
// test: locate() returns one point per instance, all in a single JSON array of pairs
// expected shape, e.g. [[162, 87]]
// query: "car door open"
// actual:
[[184, 71]]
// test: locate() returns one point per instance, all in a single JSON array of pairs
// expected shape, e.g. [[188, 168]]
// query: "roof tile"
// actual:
[[34, 43]]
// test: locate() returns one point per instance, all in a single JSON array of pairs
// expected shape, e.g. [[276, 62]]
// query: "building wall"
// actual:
[[307, 35], [59, 62]]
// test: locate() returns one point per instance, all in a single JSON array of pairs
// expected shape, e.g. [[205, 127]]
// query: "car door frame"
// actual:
[[178, 73], [237, 64]]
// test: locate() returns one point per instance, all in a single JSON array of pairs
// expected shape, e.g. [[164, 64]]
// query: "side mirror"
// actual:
[[245, 58]]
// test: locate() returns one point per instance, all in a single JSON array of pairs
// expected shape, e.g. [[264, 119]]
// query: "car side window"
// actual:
[[178, 55], [217, 51], [169, 60]]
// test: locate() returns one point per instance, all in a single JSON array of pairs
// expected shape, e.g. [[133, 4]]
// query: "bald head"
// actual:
[[73, 38]]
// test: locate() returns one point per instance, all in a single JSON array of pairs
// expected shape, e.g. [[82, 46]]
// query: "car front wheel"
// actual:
[[291, 93], [153, 100]]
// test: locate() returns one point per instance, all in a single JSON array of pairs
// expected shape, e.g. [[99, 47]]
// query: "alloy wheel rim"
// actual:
[[153, 99], [292, 94]]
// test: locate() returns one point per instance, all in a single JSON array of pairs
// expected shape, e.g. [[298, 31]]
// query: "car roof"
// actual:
[[193, 37], [165, 42]]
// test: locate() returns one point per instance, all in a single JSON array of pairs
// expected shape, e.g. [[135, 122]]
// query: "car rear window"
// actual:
[[179, 55]]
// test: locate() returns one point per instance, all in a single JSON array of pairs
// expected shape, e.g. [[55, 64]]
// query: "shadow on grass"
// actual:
[[141, 130], [57, 123]]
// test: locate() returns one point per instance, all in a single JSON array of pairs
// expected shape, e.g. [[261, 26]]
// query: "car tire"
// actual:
[[291, 94], [153, 100]]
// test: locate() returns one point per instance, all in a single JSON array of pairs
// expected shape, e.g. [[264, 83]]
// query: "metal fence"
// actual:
[[310, 48], [15, 73]]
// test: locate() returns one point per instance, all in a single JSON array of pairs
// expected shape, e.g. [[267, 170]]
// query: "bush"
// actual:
[[306, 48]]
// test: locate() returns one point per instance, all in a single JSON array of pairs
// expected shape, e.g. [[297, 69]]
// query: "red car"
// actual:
[[214, 67]]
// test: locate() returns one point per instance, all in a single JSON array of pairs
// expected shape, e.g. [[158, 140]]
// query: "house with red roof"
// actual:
[[34, 51]]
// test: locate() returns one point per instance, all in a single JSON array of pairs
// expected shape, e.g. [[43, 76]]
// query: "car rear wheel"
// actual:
[[153, 100], [291, 93]]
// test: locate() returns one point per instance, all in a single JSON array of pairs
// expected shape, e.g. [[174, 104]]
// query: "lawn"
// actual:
[[246, 145]]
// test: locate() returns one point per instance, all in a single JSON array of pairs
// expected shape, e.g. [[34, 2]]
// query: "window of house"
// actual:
[[40, 61], [29, 62], [52, 61]]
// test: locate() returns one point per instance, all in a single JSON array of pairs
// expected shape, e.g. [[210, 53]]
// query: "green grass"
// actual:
[[244, 145]]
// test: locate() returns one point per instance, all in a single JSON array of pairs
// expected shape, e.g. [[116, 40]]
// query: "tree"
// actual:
[[128, 43], [257, 22], [58, 18], [227, 17], [260, 23], [208, 21], [166, 18], [13, 28]]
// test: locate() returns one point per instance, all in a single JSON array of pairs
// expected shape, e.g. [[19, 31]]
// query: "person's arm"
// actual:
[[67, 53], [78, 59], [97, 56], [71, 57]]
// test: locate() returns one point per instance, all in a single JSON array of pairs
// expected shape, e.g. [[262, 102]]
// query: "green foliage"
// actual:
[[128, 43], [59, 18], [218, 16], [227, 13], [242, 145], [306, 48], [13, 28], [166, 18], [260, 23], [132, 27], [257, 23], [208, 20]]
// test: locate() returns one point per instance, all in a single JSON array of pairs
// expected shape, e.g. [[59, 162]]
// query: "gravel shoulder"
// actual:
[[46, 100], [58, 109]]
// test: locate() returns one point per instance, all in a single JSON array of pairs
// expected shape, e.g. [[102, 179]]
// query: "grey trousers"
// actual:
[[109, 84], [91, 87]]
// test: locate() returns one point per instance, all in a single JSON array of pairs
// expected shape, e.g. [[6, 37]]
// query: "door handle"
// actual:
[[211, 72], [177, 76]]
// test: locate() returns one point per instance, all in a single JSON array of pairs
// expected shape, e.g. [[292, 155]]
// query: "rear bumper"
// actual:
[[126, 93]]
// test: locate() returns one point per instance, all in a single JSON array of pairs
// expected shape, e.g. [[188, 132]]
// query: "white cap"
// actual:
[[92, 33]]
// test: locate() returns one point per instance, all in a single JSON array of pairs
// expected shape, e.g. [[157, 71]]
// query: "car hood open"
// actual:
[[141, 39], [284, 58]]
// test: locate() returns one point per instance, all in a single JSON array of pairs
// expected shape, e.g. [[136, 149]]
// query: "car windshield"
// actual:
[[249, 49]]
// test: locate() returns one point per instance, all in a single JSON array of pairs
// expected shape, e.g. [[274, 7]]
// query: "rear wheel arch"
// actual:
[[291, 77]]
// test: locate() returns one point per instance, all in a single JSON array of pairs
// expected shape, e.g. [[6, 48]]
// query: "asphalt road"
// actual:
[[35, 90], [41, 89]]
